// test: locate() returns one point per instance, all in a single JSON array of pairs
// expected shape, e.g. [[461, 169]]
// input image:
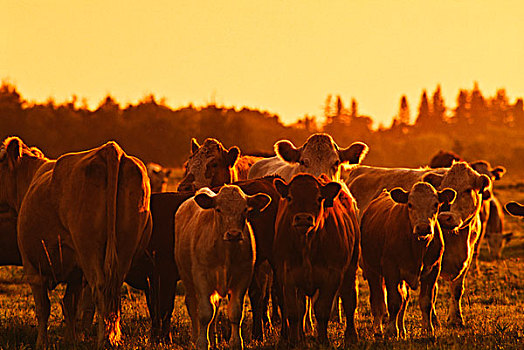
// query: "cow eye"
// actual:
[[435, 206], [218, 210], [410, 205], [288, 198], [301, 162], [336, 164]]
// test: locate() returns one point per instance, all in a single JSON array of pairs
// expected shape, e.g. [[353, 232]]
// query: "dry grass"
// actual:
[[493, 310]]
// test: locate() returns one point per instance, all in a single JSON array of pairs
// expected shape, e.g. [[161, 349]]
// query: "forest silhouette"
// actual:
[[478, 127]]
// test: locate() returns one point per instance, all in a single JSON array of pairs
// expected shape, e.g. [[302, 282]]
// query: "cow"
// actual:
[[82, 216], [402, 247], [460, 222], [158, 177], [515, 209], [318, 155], [316, 252], [215, 255], [211, 165], [493, 224], [494, 232], [444, 159]]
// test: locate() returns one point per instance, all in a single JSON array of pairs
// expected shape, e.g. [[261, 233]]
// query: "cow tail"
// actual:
[[112, 279]]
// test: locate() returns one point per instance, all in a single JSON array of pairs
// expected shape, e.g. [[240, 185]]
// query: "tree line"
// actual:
[[478, 127]]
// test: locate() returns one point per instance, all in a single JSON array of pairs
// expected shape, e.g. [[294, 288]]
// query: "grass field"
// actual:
[[493, 309]]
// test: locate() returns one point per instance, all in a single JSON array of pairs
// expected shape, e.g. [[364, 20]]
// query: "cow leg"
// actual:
[[86, 312], [323, 307], [427, 298], [69, 306], [405, 301], [294, 312], [43, 309], [152, 307], [166, 299], [349, 294], [377, 300], [191, 305], [206, 313], [235, 314], [475, 269], [256, 297], [455, 308], [395, 299]]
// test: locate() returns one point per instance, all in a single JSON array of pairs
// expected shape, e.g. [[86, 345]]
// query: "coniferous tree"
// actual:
[[438, 111], [423, 118]]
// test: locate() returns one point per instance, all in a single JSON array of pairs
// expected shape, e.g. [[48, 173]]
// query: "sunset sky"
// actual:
[[281, 56]]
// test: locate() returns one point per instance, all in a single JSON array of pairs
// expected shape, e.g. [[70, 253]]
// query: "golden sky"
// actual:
[[280, 56]]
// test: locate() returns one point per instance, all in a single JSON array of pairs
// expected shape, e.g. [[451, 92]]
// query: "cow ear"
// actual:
[[447, 195], [14, 151], [205, 201], [482, 182], [232, 156], [258, 202], [282, 187], [194, 145], [515, 209], [498, 172], [287, 151], [433, 179], [354, 154], [399, 195], [329, 191]]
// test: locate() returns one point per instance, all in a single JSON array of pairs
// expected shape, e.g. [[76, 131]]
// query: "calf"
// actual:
[[402, 243], [494, 233], [316, 252], [215, 256], [158, 177]]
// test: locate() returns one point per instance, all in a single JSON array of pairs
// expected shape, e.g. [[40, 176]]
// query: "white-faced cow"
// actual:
[[215, 255], [318, 155], [211, 165], [402, 244], [83, 215]]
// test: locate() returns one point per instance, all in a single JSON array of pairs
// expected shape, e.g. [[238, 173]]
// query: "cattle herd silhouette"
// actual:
[[293, 228]]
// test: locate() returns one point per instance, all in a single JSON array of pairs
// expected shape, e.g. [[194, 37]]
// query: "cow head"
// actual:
[[231, 206], [209, 165], [18, 164], [320, 155], [515, 209], [423, 203], [470, 187], [483, 167], [444, 159], [158, 177], [305, 199]]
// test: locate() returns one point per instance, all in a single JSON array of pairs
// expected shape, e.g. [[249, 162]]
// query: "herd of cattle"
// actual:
[[296, 226]]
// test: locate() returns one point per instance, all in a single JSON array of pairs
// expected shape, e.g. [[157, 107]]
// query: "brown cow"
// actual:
[[494, 233], [318, 155], [515, 208], [215, 256], [402, 244], [85, 214], [158, 177], [444, 159], [316, 252], [212, 165], [366, 183]]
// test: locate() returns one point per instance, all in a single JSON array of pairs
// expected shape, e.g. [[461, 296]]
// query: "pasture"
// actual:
[[493, 307]]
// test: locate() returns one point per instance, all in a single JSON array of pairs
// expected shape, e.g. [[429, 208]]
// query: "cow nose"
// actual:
[[447, 220], [423, 230], [233, 236], [303, 220]]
